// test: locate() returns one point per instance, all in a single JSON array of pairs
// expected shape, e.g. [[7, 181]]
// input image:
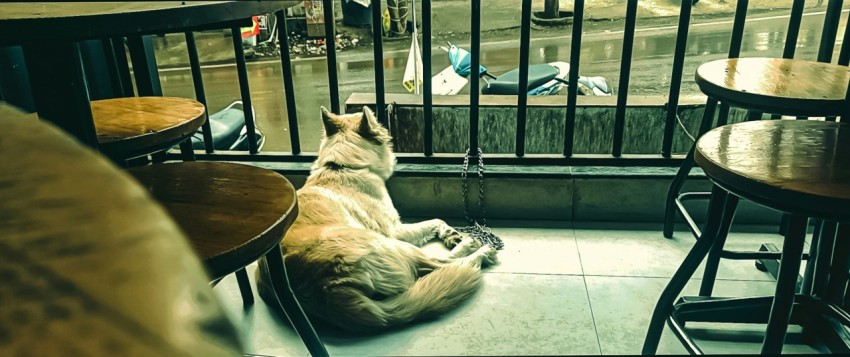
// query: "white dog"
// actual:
[[350, 260]]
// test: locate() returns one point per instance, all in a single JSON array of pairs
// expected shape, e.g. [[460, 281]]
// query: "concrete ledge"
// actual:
[[580, 194]]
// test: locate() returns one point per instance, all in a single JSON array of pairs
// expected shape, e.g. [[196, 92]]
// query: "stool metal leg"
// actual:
[[187, 153], [290, 305], [825, 250], [840, 267], [245, 287], [664, 306], [685, 169], [786, 285], [713, 260], [808, 276]]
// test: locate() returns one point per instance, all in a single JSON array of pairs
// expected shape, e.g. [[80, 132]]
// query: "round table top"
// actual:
[[133, 126], [232, 213], [797, 166], [89, 263], [87, 20], [776, 85]]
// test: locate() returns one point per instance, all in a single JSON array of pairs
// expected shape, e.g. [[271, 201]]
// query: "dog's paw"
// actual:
[[488, 255], [450, 236], [466, 247], [485, 255]]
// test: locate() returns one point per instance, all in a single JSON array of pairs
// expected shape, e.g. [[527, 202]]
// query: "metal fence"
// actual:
[[147, 83]]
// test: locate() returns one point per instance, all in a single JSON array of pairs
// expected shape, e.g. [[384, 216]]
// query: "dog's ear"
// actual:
[[367, 122], [331, 126]]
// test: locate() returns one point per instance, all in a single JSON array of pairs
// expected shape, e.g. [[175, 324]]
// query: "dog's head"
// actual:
[[356, 141]]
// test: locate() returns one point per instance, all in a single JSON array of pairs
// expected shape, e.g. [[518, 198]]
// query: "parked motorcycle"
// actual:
[[228, 130], [543, 79]]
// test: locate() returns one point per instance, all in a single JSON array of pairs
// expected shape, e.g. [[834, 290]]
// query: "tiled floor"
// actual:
[[580, 289]]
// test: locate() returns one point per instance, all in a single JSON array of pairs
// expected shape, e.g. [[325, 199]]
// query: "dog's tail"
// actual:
[[434, 294]]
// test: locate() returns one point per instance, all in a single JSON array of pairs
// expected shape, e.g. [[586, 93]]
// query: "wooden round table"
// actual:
[[233, 214], [89, 263], [796, 166], [135, 126]]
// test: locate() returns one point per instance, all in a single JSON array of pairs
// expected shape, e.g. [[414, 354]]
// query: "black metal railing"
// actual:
[[147, 83], [665, 157], [572, 91]]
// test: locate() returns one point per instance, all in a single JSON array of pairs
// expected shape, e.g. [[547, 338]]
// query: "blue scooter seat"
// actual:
[[508, 83], [225, 126]]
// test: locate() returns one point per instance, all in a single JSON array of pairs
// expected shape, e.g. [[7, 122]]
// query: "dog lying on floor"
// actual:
[[350, 260]]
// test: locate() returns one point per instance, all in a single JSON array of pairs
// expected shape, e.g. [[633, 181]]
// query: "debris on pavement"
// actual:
[[301, 46]]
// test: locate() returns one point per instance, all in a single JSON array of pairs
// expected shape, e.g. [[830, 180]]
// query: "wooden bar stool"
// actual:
[[233, 214], [795, 166], [761, 85], [137, 126]]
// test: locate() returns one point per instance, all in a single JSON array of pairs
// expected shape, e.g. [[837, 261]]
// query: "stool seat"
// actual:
[[136, 126], [231, 213], [797, 166], [776, 85]]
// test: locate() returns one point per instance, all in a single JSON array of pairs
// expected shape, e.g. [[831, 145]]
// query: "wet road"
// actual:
[[601, 56]]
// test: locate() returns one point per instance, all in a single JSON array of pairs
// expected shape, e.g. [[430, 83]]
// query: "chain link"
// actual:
[[478, 231]]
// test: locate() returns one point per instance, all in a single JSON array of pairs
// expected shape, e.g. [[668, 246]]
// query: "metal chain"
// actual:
[[684, 129], [392, 112], [478, 231]]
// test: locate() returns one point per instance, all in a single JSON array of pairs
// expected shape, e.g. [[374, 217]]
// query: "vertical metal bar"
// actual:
[[96, 66], [522, 94], [830, 30], [793, 28], [676, 77], [200, 93], [330, 45], [427, 95], [288, 86], [117, 88], [572, 89], [738, 29], [123, 66], [14, 80], [60, 92], [828, 34], [144, 66], [378, 55], [242, 72], [844, 53], [625, 72], [734, 51], [474, 92]]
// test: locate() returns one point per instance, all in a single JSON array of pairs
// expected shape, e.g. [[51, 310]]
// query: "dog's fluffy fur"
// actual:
[[350, 260]]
